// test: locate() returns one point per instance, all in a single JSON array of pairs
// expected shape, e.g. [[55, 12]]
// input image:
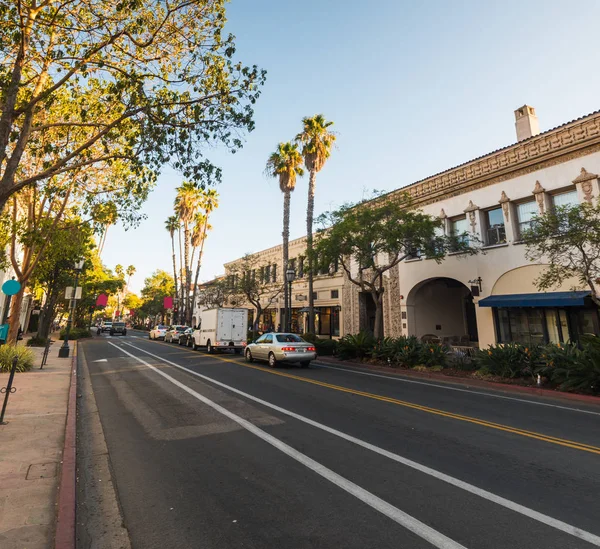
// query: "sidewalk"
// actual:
[[31, 448]]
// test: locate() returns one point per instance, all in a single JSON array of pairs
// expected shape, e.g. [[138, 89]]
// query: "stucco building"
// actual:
[[490, 297]]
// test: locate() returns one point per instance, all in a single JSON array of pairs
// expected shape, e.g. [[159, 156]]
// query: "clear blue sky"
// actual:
[[413, 88]]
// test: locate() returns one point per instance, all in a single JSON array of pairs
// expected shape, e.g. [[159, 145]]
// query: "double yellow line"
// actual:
[[498, 426]]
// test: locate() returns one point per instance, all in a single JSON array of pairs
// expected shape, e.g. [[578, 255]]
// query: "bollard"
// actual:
[[45, 355], [8, 389]]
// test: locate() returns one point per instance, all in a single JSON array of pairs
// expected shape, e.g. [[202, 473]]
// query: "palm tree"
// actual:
[[121, 274], [210, 202], [130, 271], [186, 206], [172, 224], [285, 164], [317, 142]]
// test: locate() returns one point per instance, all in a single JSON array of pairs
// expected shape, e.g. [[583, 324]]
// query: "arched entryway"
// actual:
[[442, 307]]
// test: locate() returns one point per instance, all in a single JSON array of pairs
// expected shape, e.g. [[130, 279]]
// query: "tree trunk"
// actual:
[[15, 315], [200, 253], [181, 308], [378, 328], [174, 269], [286, 239], [310, 210], [188, 279]]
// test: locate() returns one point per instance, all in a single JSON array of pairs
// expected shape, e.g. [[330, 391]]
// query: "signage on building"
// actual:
[[69, 293]]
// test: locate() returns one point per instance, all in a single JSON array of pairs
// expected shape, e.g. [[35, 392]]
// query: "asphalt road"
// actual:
[[209, 452]]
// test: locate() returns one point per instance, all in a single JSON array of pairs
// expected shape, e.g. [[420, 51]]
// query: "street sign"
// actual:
[[11, 287], [69, 293]]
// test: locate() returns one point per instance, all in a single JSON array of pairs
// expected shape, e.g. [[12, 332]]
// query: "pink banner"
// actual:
[[168, 303], [102, 300]]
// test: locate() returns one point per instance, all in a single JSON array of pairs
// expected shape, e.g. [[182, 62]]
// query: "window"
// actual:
[[496, 232], [336, 265], [292, 264], [458, 231], [568, 198], [526, 211], [268, 338], [289, 338], [301, 267], [335, 294], [274, 272], [315, 295], [261, 275], [267, 274]]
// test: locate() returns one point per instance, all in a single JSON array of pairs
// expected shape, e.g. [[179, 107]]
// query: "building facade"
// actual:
[[489, 297]]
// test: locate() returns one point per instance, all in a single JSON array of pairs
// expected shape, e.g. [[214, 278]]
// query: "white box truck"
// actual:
[[222, 328]]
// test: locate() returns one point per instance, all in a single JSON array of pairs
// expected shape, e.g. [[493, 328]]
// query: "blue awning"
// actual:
[[550, 299]]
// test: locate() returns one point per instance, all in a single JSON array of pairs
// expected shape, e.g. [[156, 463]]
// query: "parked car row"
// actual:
[[226, 328]]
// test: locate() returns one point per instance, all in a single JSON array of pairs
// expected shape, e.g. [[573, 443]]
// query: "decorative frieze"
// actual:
[[470, 211], [586, 180], [539, 191]]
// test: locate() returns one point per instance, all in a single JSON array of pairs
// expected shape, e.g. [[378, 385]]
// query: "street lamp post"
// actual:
[[63, 352], [290, 275]]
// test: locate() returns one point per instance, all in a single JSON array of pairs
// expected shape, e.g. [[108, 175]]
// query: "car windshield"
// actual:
[[161, 327], [289, 338], [181, 328]]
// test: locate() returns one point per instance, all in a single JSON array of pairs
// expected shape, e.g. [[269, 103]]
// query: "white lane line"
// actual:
[[435, 538], [507, 503], [403, 380]]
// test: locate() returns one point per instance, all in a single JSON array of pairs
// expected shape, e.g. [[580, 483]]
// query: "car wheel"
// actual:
[[149, 336], [305, 364], [194, 346], [209, 347], [272, 360], [125, 333], [248, 356]]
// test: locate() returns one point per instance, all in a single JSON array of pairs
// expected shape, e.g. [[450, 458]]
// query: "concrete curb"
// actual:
[[65, 521], [479, 383]]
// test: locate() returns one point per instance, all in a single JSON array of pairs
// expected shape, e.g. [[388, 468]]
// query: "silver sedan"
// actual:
[[275, 348]]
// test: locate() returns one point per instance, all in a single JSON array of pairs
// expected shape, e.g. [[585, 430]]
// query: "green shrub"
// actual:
[[356, 346], [24, 355], [385, 349], [433, 354], [311, 338], [37, 341], [461, 360], [508, 360], [76, 333], [408, 351], [326, 347], [583, 372]]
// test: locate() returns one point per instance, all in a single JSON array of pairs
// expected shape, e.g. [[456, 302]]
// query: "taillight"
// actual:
[[288, 348], [311, 348]]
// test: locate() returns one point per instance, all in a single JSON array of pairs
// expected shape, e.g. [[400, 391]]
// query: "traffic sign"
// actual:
[[11, 287]]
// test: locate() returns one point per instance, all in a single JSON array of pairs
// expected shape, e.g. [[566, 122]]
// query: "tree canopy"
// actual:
[[118, 87], [567, 238], [371, 237], [157, 286]]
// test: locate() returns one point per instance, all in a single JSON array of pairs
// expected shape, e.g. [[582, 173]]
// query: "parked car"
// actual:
[[118, 328], [158, 332], [173, 333], [106, 326], [186, 337], [281, 347]]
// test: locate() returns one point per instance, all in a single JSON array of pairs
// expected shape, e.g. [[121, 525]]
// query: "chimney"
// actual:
[[526, 123]]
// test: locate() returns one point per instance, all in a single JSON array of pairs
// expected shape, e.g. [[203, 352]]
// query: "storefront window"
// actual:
[[335, 321]]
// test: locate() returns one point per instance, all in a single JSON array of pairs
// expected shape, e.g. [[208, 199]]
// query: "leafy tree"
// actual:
[[285, 164], [371, 237], [156, 287], [567, 238], [246, 280], [214, 294], [56, 269], [317, 141], [87, 85]]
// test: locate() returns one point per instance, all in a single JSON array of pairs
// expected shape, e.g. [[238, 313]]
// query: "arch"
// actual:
[[442, 307]]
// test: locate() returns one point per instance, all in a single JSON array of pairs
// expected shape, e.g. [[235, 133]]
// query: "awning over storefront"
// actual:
[[551, 299]]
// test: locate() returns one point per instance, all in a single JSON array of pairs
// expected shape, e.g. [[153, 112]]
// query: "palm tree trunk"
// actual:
[[174, 263], [188, 281], [181, 308], [310, 210], [286, 239], [102, 240]]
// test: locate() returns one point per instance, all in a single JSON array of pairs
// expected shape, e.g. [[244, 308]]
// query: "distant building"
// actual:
[[482, 299]]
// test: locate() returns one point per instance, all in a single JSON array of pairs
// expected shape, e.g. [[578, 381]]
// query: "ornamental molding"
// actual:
[[471, 207], [585, 176], [573, 140], [504, 202], [538, 189], [443, 214]]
